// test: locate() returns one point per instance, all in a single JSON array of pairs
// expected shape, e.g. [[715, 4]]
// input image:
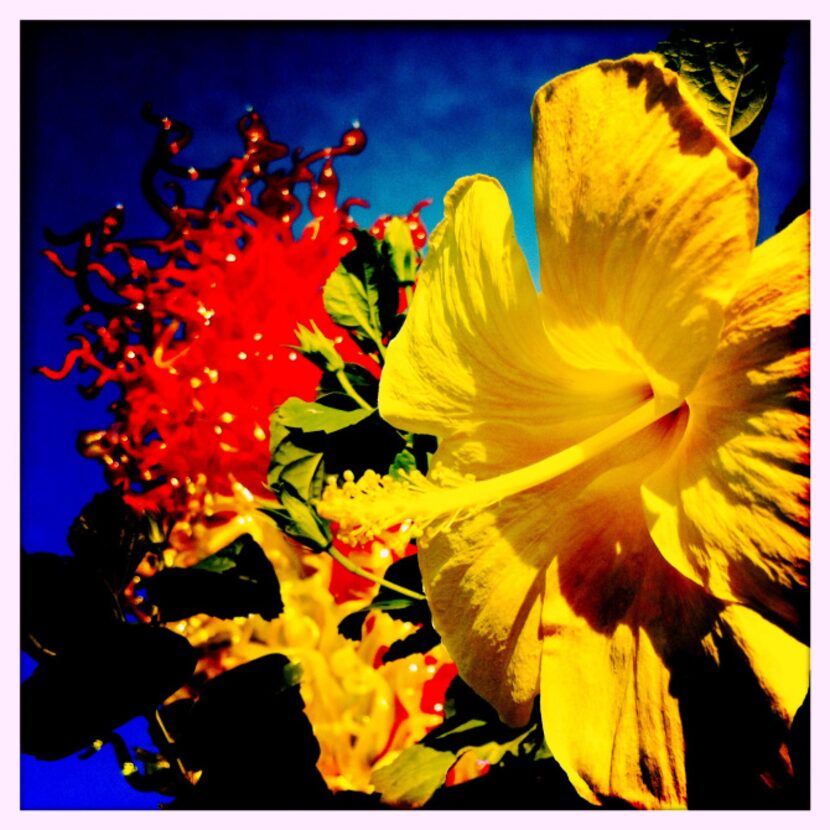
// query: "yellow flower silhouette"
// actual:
[[363, 711], [620, 506]]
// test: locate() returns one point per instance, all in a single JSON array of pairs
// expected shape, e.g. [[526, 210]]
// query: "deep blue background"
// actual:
[[438, 101]]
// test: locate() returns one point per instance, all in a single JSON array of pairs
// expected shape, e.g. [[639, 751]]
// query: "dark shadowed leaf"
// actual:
[[406, 573], [362, 294], [99, 684], [62, 602], [800, 203], [512, 784], [250, 737], [412, 778], [370, 443], [351, 626], [419, 642], [112, 538], [238, 582], [360, 378], [520, 772], [733, 69]]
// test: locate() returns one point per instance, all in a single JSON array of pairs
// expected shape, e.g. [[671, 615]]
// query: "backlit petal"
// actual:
[[484, 581], [474, 327], [646, 216], [780, 662], [474, 342], [731, 508]]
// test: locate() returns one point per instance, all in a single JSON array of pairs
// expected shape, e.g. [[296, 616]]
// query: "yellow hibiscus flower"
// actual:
[[617, 517]]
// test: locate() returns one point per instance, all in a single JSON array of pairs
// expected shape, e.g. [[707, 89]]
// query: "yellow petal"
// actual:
[[731, 508], [474, 342], [484, 574], [641, 669], [484, 586], [646, 216], [474, 326], [613, 613], [780, 662], [738, 704]]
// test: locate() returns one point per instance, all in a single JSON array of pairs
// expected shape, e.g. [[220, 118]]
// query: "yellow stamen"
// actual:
[[365, 508]]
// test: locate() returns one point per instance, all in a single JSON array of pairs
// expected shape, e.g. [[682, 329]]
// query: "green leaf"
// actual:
[[63, 603], [398, 239], [412, 778], [305, 476], [404, 463], [300, 521], [318, 348], [298, 467], [362, 294], [733, 70], [477, 729], [98, 684], [419, 642], [360, 378], [216, 564], [238, 581], [316, 417], [111, 538], [248, 734], [349, 302]]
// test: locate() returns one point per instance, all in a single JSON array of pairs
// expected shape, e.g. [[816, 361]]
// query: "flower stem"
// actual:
[[356, 569], [343, 378]]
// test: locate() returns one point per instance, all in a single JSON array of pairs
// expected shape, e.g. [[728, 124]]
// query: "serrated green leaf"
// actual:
[[362, 293], [733, 71], [350, 302], [419, 642], [236, 582], [300, 521], [319, 349], [316, 417], [412, 778]]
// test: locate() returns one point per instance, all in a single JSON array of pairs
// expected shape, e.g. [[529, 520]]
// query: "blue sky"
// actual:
[[438, 101]]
